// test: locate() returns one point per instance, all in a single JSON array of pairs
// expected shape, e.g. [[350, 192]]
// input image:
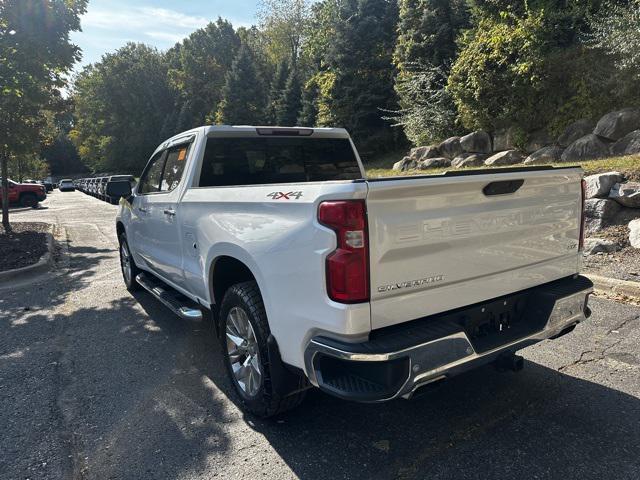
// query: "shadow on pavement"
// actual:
[[535, 424], [138, 393]]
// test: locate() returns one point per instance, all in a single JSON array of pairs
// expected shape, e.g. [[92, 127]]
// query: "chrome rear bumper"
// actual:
[[372, 373]]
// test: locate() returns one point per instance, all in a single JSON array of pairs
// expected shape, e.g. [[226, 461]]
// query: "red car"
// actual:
[[24, 194]]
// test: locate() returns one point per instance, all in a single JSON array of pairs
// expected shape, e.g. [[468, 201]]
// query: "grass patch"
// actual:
[[628, 165]]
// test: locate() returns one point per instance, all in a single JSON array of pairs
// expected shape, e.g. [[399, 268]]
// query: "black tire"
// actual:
[[128, 277], [28, 200], [266, 402]]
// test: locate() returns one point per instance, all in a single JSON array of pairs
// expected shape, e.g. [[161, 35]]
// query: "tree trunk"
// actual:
[[4, 160]]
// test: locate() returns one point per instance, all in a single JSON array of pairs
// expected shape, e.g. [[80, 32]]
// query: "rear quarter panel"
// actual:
[[283, 245]]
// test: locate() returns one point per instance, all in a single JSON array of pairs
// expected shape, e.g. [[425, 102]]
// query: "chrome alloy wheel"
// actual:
[[125, 262], [242, 348]]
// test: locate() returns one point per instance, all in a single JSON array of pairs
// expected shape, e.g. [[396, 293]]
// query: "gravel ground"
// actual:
[[96, 383], [24, 246], [623, 264]]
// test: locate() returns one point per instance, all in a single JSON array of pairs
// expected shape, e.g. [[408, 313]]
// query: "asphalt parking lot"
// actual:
[[96, 383]]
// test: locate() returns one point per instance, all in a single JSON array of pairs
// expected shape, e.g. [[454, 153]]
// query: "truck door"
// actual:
[[149, 185], [161, 232]]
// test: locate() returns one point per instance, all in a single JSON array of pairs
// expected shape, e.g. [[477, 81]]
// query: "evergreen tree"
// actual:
[[290, 102], [309, 105], [427, 32], [360, 62], [275, 93], [243, 94]]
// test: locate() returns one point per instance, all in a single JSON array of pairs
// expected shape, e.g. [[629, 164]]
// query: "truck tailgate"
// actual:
[[442, 242]]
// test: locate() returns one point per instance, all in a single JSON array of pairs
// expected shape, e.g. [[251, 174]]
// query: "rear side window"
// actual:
[[262, 160]]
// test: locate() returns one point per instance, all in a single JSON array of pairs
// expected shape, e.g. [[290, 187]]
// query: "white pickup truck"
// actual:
[[369, 289]]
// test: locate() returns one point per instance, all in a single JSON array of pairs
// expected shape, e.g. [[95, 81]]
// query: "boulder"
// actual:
[[600, 184], [476, 142], [450, 148], [422, 153], [544, 155], [537, 140], [473, 160], [599, 245], [634, 233], [627, 145], [626, 194], [437, 162], [576, 130], [405, 164], [601, 208], [504, 139], [510, 157], [616, 125], [585, 148]]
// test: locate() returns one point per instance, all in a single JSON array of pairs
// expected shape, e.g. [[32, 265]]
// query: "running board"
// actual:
[[174, 301]]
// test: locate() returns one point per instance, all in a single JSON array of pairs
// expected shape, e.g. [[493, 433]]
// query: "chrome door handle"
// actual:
[[170, 211]]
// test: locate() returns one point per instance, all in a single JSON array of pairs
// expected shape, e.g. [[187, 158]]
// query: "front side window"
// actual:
[[264, 160], [152, 176], [174, 167]]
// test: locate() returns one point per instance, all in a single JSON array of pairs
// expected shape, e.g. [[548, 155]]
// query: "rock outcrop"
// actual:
[[615, 125], [476, 142], [588, 147]]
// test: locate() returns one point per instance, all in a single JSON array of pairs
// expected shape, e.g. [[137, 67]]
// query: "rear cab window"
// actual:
[[266, 160]]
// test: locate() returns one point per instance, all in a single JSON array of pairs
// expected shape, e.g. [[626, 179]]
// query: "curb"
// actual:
[[41, 265], [612, 285]]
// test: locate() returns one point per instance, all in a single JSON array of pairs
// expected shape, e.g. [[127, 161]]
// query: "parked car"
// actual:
[[66, 185], [24, 194], [368, 289], [102, 189], [48, 186]]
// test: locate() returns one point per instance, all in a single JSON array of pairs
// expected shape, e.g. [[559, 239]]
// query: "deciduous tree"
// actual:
[[35, 57]]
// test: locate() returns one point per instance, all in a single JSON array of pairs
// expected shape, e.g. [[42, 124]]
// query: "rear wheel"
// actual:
[[128, 266], [244, 334], [28, 200]]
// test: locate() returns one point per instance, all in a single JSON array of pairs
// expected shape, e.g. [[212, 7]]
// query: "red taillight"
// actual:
[[348, 266], [582, 220]]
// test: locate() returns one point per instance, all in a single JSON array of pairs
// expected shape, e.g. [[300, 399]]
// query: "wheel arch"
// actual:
[[120, 229], [225, 271]]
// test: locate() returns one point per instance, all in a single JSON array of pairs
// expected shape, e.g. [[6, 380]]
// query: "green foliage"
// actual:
[[35, 57], [498, 78], [524, 65], [309, 105], [278, 84], [290, 102], [616, 30], [243, 93], [429, 115], [359, 79], [284, 23], [121, 106], [197, 66], [27, 166], [58, 151], [428, 30]]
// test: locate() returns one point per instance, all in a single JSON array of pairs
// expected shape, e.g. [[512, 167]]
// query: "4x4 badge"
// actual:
[[285, 196]]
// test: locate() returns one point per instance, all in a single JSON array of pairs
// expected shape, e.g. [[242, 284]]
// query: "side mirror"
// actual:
[[119, 189]]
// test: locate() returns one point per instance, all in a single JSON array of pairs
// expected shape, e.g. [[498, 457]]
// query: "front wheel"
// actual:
[[28, 200], [244, 333], [128, 266]]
